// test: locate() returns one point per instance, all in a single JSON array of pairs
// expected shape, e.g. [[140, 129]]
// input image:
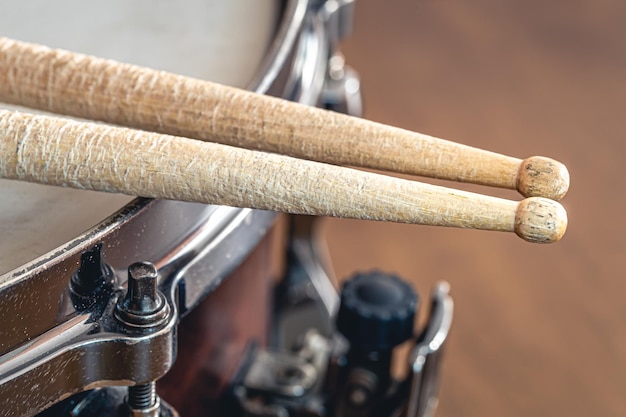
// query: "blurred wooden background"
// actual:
[[539, 330]]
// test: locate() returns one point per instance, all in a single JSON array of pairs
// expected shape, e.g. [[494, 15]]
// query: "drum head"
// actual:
[[222, 41]]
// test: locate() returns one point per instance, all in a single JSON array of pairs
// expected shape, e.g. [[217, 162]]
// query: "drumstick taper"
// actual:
[[99, 157], [93, 88]]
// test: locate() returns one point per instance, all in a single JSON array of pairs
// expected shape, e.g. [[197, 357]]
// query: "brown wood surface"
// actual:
[[214, 337], [539, 330]]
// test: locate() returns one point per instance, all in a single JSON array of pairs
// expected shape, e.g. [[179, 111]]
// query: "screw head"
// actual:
[[143, 305]]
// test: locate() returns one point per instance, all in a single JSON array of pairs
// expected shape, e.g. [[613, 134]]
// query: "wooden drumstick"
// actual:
[[105, 158], [92, 88]]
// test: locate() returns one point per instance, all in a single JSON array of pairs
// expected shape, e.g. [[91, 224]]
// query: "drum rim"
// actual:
[[66, 256], [264, 81]]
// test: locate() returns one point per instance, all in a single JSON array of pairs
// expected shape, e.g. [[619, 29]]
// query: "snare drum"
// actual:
[[50, 344]]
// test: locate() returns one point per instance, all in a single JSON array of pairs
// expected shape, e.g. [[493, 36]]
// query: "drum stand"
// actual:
[[314, 370]]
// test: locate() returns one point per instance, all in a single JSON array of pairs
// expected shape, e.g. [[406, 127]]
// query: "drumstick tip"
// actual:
[[540, 220], [539, 176]]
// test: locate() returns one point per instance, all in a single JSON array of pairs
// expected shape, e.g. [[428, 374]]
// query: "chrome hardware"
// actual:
[[143, 305], [425, 357], [342, 89]]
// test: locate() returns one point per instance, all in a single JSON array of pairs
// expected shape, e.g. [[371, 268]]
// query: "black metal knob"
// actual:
[[377, 311], [143, 305], [93, 280]]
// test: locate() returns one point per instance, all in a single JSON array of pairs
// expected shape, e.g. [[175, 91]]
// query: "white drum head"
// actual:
[[222, 41]]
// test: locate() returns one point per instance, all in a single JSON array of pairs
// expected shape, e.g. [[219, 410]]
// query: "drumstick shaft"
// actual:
[[91, 156], [92, 88]]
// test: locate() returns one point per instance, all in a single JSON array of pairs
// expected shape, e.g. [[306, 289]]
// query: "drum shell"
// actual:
[[214, 337]]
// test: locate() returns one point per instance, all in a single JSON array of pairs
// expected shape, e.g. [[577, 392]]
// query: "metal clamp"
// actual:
[[70, 357], [425, 358]]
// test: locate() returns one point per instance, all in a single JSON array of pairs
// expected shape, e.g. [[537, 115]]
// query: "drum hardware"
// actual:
[[125, 337], [425, 358], [323, 375], [319, 27], [143, 305], [306, 309], [308, 288], [93, 281], [338, 15], [106, 402], [89, 347], [281, 374], [342, 89]]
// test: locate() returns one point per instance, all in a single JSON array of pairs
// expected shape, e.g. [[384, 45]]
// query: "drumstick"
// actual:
[[92, 88], [106, 158]]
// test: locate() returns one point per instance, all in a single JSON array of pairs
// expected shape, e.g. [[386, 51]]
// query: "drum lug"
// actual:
[[141, 316]]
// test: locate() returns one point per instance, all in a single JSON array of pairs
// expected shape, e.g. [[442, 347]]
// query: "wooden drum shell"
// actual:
[[213, 338]]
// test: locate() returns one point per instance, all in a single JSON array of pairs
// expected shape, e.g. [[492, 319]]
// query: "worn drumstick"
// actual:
[[93, 88], [105, 158]]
